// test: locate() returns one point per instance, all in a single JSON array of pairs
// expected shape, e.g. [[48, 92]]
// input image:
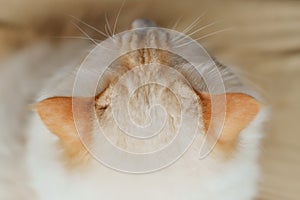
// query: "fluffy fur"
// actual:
[[49, 178]]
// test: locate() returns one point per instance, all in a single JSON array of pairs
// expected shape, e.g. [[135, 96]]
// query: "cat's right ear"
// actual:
[[57, 115]]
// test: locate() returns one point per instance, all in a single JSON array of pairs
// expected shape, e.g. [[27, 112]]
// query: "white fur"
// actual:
[[187, 179]]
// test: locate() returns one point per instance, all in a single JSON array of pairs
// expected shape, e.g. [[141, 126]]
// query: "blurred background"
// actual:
[[260, 38]]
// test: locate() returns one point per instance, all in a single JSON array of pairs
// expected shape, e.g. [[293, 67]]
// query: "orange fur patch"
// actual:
[[241, 109], [57, 115]]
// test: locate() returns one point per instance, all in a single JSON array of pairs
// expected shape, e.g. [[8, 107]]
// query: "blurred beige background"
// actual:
[[264, 41]]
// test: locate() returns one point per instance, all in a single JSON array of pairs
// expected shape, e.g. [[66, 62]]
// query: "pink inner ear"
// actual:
[[241, 109], [57, 115]]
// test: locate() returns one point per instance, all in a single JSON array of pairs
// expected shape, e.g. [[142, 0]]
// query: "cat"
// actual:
[[59, 161]]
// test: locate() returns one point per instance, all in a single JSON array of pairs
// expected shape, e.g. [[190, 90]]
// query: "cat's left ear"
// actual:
[[57, 115], [240, 111]]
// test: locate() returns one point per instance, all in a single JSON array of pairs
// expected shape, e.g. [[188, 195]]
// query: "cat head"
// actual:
[[142, 118]]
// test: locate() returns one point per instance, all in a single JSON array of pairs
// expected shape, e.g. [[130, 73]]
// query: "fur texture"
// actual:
[[212, 178]]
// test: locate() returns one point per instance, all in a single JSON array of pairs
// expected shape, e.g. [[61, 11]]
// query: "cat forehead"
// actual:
[[131, 52]]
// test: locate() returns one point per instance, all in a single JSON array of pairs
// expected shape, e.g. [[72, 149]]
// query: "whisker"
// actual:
[[87, 35], [205, 36], [198, 30], [108, 25], [176, 23], [88, 25], [191, 26], [203, 27], [106, 29], [77, 37], [119, 12], [213, 33], [194, 23]]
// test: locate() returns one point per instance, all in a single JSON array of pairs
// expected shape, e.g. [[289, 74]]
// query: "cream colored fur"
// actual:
[[48, 178], [189, 178]]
